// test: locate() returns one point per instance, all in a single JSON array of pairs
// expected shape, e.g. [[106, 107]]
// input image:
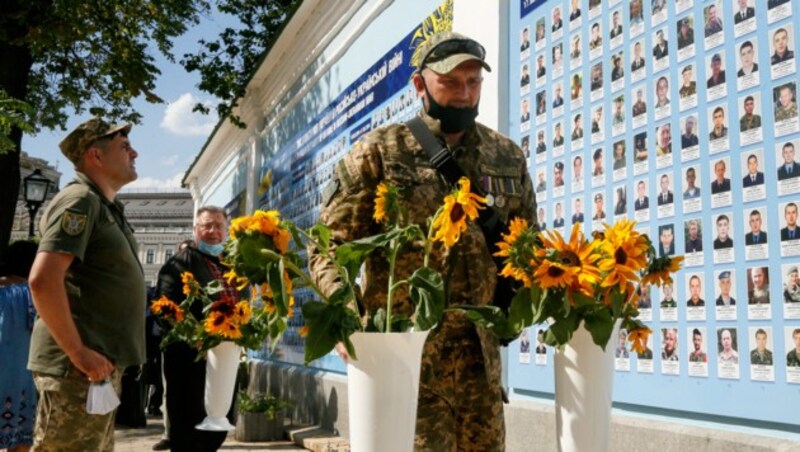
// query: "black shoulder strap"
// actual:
[[443, 161]]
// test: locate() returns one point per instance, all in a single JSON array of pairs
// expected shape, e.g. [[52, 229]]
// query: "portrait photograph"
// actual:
[[756, 239], [713, 28], [638, 62], [747, 74], [595, 41], [665, 198], [690, 142], [557, 59], [727, 353], [720, 182], [762, 362], [725, 294], [687, 91], [663, 144], [788, 166], [640, 153], [525, 43], [790, 232], [784, 98], [639, 107], [758, 295], [685, 33], [658, 12], [744, 17], [663, 104], [695, 296], [781, 51], [575, 52], [723, 244], [576, 91], [635, 17], [691, 192], [697, 351], [670, 361], [790, 287], [575, 14], [750, 120], [719, 131], [778, 9], [752, 164], [641, 203], [716, 77], [693, 241], [660, 49]]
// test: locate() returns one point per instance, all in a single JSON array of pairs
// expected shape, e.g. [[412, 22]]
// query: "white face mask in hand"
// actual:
[[102, 398]]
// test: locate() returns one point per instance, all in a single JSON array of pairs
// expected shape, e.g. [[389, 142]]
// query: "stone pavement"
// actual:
[[142, 439]]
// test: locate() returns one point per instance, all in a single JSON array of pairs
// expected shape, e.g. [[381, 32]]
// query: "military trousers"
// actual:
[[459, 408], [62, 422]]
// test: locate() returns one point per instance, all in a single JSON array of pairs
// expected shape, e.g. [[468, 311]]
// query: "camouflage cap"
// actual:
[[444, 51], [79, 140]]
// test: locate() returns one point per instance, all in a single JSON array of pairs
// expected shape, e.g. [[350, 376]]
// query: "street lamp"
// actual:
[[35, 188]]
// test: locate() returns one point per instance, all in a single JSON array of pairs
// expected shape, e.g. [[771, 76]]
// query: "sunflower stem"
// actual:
[[429, 238], [394, 247], [339, 269]]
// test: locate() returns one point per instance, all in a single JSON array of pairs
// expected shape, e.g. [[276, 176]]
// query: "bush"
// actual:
[[261, 403]]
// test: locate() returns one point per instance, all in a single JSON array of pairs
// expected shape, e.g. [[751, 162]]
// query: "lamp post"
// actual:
[[35, 189]]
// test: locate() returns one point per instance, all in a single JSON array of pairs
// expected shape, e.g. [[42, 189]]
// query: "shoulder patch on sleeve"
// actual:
[[330, 191], [73, 222]]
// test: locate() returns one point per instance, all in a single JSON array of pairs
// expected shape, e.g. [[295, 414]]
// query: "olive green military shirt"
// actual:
[[104, 284]]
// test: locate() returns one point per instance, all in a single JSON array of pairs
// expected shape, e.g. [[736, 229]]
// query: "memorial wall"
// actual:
[[682, 115]]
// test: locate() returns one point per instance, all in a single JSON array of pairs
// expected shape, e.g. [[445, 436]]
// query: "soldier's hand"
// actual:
[[342, 351], [95, 366]]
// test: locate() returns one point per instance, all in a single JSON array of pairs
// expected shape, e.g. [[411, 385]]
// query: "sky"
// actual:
[[170, 134]]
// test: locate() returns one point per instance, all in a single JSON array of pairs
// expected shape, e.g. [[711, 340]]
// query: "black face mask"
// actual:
[[453, 119]]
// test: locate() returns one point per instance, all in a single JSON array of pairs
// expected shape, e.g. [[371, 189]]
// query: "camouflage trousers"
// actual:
[[459, 408], [62, 423]]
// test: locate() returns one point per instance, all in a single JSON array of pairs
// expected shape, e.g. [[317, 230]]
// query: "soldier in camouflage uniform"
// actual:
[[89, 291], [786, 108], [761, 355], [793, 357], [460, 396]]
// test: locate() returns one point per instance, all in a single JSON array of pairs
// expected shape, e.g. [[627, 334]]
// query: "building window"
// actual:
[[167, 254], [151, 255]]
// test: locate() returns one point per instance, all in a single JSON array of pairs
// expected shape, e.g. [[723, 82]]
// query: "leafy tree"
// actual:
[[65, 57]]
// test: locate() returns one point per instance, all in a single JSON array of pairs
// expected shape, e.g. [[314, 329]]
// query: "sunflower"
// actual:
[[242, 312], [263, 222], [303, 331], [232, 278], [624, 254], [167, 309], [517, 248], [459, 206], [660, 270], [386, 203], [219, 324], [638, 339], [568, 264], [190, 285]]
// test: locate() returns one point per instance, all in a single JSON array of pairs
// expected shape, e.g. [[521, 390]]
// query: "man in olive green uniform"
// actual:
[[89, 291], [460, 397], [786, 108], [761, 355]]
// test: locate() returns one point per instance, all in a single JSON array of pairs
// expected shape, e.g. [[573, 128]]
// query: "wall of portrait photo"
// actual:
[[683, 116]]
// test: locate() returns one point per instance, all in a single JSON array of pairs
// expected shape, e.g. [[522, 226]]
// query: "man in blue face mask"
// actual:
[[185, 375]]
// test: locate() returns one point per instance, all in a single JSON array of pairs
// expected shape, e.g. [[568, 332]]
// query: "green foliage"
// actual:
[[261, 403], [226, 64], [14, 113]]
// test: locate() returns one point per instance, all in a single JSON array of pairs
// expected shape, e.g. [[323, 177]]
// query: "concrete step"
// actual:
[[317, 439]]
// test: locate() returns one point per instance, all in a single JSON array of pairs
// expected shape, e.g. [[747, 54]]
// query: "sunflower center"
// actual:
[[456, 213], [620, 256], [570, 259], [554, 271]]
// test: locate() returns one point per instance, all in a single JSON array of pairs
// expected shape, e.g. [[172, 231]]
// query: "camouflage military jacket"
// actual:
[[759, 359], [391, 154], [793, 359], [784, 113]]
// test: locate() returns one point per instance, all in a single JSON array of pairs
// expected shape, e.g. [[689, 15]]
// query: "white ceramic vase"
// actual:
[[382, 388], [222, 364], [584, 377]]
